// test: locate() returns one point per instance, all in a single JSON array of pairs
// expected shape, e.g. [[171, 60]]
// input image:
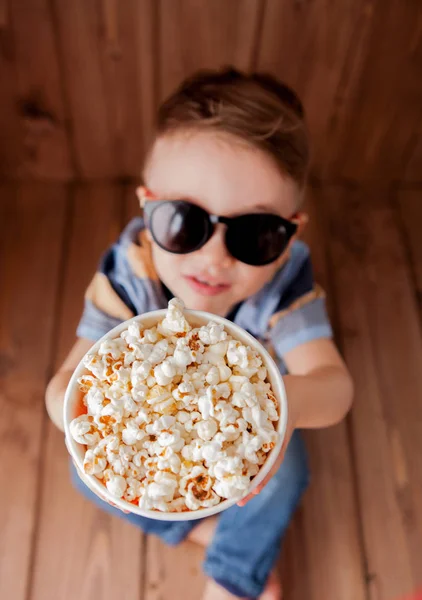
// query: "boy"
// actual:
[[224, 181]]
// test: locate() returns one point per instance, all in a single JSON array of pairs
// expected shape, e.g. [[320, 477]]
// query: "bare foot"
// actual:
[[273, 589], [203, 532]]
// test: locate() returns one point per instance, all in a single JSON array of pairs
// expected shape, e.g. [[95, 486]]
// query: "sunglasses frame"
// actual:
[[149, 205]]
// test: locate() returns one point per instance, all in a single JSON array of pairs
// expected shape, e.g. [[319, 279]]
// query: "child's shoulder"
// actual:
[[131, 253]]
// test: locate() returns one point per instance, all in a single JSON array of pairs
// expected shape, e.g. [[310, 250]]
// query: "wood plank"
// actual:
[[127, 48], [199, 35], [373, 133], [78, 30], [382, 343], [32, 228], [173, 573], [11, 148], [325, 536], [293, 566], [413, 166], [316, 47], [409, 206], [39, 98], [100, 556]]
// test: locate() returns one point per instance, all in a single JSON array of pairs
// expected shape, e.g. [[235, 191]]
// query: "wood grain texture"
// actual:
[[380, 330], [39, 94], [202, 34], [384, 107], [173, 573], [32, 227], [325, 535], [312, 46], [11, 127], [409, 207], [127, 48], [413, 166], [97, 557], [79, 32], [81, 80]]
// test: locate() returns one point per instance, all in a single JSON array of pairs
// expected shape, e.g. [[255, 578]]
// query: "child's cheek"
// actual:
[[252, 279]]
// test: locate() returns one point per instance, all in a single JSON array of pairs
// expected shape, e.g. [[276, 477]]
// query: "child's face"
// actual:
[[225, 178]]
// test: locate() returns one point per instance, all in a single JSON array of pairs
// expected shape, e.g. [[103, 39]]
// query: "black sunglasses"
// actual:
[[181, 227]]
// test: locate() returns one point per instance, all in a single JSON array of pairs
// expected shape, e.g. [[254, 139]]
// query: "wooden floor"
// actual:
[[358, 535]]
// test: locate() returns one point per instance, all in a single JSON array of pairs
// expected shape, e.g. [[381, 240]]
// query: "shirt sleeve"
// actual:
[[107, 302], [301, 314]]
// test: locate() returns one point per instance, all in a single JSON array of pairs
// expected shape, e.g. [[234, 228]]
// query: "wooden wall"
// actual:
[[80, 79]]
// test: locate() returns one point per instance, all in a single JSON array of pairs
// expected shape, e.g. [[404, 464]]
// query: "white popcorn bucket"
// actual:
[[72, 403]]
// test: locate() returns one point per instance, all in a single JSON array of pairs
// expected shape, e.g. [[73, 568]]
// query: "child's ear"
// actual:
[[141, 193], [301, 219]]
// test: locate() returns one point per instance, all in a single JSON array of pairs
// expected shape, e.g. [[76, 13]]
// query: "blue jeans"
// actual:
[[247, 540]]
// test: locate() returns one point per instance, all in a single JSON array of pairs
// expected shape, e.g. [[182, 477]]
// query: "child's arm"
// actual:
[[319, 387], [57, 387]]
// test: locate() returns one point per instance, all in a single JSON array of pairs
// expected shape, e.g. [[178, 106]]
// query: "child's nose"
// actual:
[[215, 254]]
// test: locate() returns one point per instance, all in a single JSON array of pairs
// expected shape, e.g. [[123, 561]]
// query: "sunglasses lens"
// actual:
[[179, 227], [257, 239]]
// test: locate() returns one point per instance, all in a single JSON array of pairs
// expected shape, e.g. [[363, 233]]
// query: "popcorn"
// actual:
[[224, 371], [196, 487], [213, 376], [226, 413], [230, 432], [170, 461], [94, 464], [83, 431], [193, 452], [212, 451], [132, 433], [116, 485], [178, 418], [207, 429], [165, 372], [175, 321], [159, 352], [211, 334], [151, 336], [133, 489]]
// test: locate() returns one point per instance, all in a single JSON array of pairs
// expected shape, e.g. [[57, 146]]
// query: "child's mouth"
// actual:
[[205, 287]]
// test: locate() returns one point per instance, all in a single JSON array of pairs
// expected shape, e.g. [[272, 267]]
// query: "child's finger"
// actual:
[[245, 500], [264, 482], [250, 496]]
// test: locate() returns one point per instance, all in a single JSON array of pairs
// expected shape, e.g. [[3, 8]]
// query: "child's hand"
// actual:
[[291, 425]]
